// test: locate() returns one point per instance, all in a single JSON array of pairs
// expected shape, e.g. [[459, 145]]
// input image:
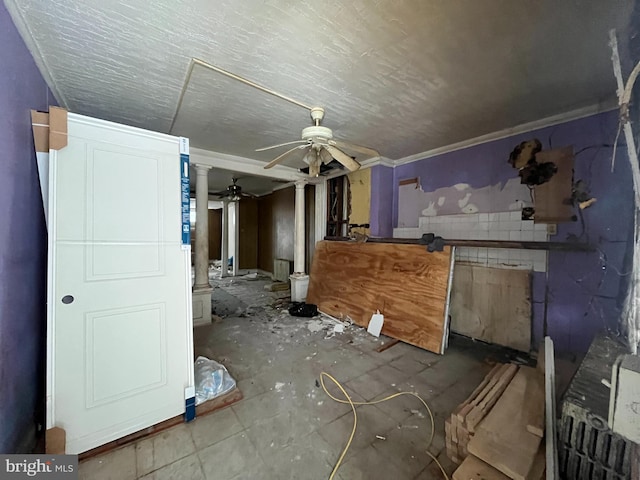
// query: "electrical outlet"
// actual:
[[552, 229]]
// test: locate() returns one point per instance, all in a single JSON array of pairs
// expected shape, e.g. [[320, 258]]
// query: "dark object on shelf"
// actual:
[[301, 309], [528, 213], [433, 243], [587, 448]]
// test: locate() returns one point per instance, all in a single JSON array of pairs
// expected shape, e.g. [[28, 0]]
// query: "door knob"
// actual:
[[67, 299]]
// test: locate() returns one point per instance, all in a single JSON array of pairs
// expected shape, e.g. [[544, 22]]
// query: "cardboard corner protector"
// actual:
[[55, 441], [40, 127], [57, 128]]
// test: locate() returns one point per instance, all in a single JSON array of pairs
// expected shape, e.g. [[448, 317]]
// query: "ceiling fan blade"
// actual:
[[356, 148], [325, 156], [280, 158], [280, 145], [343, 158]]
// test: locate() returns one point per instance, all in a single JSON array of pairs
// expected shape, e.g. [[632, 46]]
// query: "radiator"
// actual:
[[281, 270], [587, 448]]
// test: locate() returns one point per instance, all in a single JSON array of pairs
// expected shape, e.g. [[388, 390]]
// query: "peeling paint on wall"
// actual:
[[360, 187], [413, 202]]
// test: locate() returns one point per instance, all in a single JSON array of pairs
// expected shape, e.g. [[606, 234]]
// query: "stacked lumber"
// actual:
[[507, 442], [462, 424]]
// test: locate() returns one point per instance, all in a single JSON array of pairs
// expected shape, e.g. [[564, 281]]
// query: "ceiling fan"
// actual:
[[233, 192], [323, 149]]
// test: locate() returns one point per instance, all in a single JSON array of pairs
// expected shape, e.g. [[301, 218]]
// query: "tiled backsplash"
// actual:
[[487, 226]]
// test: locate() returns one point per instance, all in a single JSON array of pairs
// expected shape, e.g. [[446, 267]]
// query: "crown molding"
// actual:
[[242, 165], [508, 132]]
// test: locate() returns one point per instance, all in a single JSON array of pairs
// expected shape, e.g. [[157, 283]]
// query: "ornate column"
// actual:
[[202, 227], [201, 288], [235, 225], [299, 279], [224, 256]]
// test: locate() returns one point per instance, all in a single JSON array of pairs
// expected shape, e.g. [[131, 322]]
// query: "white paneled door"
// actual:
[[119, 328]]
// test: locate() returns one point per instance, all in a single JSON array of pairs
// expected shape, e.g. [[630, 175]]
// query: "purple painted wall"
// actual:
[[584, 290], [23, 240], [381, 201]]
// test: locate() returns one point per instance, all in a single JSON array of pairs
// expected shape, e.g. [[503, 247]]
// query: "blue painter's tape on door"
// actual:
[[184, 195]]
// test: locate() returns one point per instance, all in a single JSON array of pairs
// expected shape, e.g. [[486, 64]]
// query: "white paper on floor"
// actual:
[[375, 324]]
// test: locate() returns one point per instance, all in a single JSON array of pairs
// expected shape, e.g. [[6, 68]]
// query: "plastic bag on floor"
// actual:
[[212, 380]]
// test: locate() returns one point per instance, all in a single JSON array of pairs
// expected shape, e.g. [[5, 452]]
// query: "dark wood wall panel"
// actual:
[[310, 224], [276, 224], [248, 219], [215, 233], [284, 223], [265, 233]]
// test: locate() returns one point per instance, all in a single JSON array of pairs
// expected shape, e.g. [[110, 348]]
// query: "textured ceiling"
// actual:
[[400, 76]]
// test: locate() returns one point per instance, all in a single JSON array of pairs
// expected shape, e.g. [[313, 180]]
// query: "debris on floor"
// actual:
[[276, 287], [387, 345], [497, 431], [375, 324], [301, 309], [212, 380]]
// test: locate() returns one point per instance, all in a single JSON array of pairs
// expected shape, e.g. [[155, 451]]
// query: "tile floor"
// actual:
[[286, 427]]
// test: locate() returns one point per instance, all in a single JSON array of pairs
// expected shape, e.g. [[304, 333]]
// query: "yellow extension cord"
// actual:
[[355, 419]]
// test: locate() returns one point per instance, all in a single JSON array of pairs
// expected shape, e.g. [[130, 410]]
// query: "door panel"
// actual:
[[120, 353]]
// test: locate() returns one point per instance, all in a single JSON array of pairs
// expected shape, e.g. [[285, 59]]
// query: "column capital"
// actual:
[[202, 168], [301, 183]]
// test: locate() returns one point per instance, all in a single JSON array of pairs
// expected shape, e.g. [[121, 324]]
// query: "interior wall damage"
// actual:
[[582, 292]]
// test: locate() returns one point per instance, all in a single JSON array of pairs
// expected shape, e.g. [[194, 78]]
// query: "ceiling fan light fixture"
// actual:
[[323, 149], [317, 133]]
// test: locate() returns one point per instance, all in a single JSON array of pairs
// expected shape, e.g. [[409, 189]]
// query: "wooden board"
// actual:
[[457, 432], [502, 439], [495, 390], [539, 464], [472, 468], [535, 393], [203, 409], [475, 395], [405, 282], [553, 199], [492, 304]]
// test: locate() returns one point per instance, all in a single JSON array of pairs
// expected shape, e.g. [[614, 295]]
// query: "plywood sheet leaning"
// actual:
[[406, 283], [502, 439], [492, 304]]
